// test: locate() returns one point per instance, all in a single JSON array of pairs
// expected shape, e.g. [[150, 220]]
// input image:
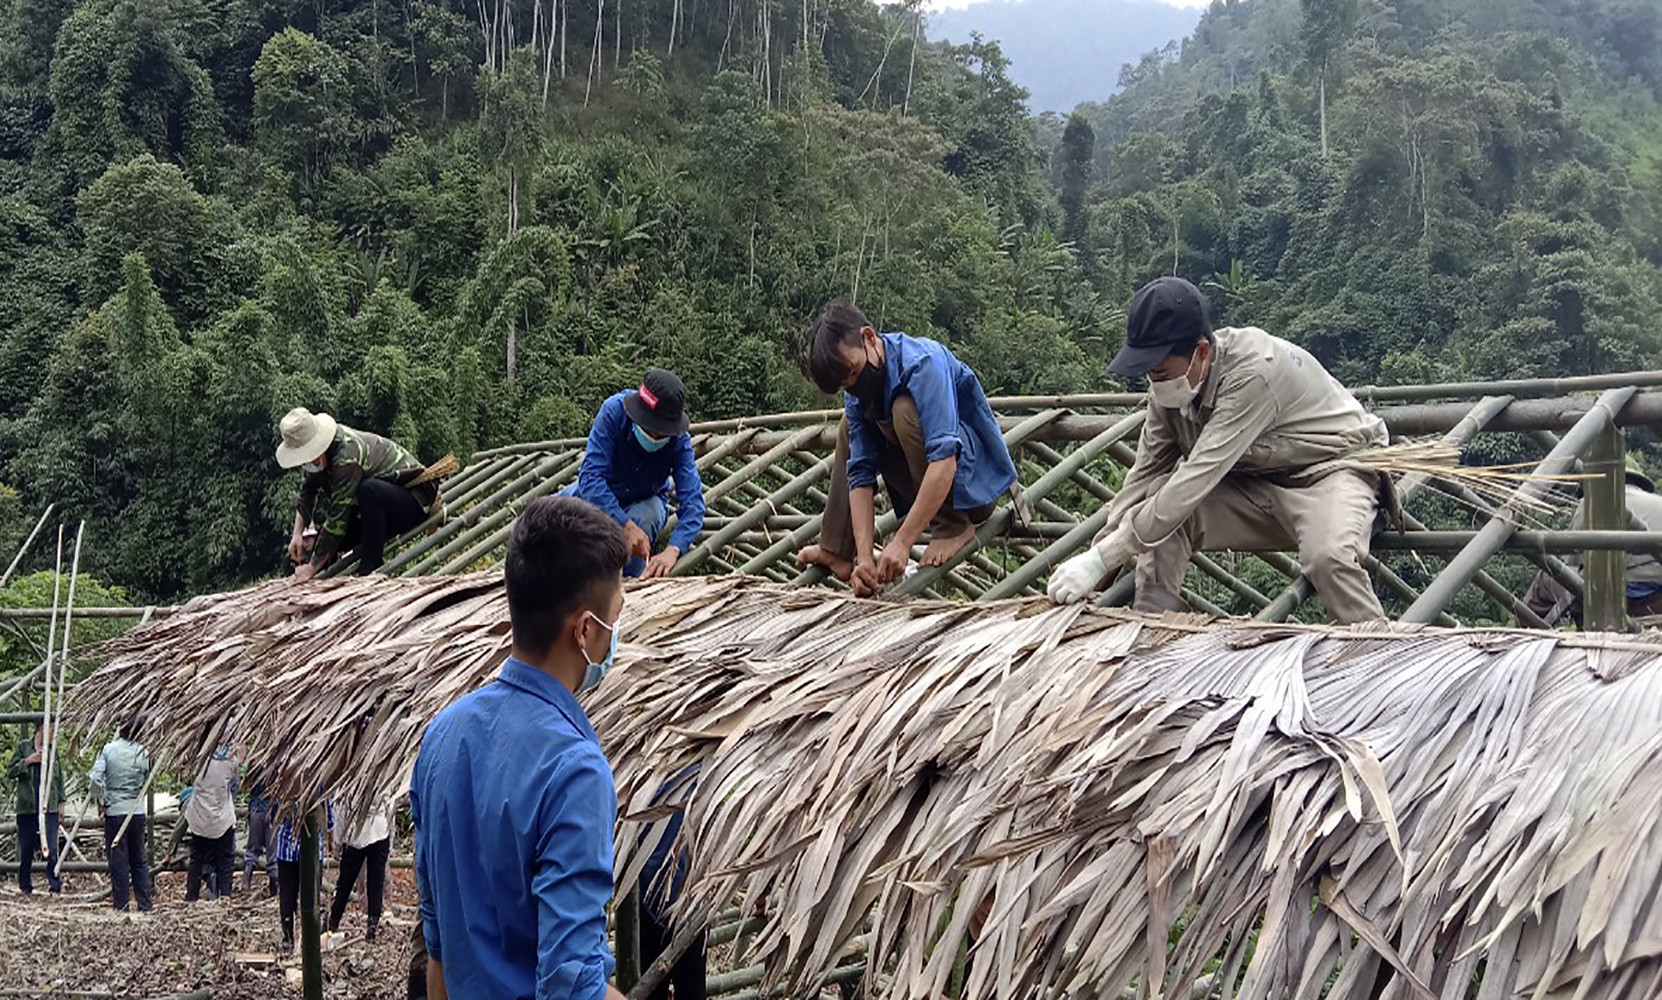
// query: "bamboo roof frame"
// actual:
[[765, 478]]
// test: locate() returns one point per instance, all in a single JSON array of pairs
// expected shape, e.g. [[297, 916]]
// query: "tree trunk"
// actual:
[[912, 66], [548, 49], [617, 35], [1321, 91], [599, 40]]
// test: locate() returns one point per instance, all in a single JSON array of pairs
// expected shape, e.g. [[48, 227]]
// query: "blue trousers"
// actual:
[[649, 515]]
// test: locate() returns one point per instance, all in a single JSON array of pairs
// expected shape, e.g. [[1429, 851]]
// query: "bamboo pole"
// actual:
[[1520, 388], [628, 917], [33, 614], [491, 531], [1604, 608], [757, 514], [1033, 494], [311, 927], [50, 737], [1527, 542], [1397, 585], [1494, 534], [1030, 571], [471, 516], [28, 543]]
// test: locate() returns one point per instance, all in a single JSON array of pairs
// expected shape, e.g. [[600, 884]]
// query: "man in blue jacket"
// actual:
[[638, 445], [918, 417]]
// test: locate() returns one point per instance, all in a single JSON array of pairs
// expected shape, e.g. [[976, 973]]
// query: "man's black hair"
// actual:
[[131, 726], [561, 556], [838, 326]]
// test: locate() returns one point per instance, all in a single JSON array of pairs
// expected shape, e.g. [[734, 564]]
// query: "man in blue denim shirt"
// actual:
[[918, 417], [638, 443], [512, 798]]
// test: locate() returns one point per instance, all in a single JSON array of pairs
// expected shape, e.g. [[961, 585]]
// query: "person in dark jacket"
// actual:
[[28, 769]]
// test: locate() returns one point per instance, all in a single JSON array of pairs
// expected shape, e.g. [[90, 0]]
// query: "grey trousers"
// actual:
[[1330, 523]]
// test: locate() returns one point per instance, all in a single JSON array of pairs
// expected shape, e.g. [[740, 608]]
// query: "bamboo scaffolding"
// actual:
[[1494, 534], [471, 516]]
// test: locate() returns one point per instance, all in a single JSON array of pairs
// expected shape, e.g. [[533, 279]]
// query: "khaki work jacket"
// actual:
[[1267, 407]]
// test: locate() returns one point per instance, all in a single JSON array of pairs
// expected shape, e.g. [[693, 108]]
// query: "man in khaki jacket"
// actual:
[[1236, 421]]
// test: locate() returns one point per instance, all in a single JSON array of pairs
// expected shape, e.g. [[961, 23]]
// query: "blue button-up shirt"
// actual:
[[514, 805], [618, 472], [956, 417]]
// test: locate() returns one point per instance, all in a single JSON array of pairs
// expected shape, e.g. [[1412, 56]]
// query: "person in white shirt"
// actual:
[[367, 841]]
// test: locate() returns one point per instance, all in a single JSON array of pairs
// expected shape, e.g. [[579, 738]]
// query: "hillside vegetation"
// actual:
[[465, 225]]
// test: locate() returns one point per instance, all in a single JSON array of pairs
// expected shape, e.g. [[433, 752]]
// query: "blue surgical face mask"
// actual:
[[647, 441], [596, 672]]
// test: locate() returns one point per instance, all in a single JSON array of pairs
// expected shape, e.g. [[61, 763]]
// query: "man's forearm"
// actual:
[[862, 509], [435, 979], [934, 491], [299, 523]]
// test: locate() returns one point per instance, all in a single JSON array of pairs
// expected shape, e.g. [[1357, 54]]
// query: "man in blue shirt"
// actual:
[[918, 417], [512, 798], [639, 441]]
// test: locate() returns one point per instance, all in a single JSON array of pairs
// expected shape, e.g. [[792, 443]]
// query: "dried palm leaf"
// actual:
[[1296, 811]]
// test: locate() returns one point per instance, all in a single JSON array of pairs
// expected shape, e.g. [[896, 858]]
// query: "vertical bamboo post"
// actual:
[[1604, 570], [311, 947], [628, 941], [1459, 570]]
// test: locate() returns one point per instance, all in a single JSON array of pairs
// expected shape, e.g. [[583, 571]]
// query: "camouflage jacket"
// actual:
[[327, 498]]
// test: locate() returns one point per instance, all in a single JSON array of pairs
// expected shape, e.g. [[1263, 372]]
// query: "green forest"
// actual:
[[466, 224]]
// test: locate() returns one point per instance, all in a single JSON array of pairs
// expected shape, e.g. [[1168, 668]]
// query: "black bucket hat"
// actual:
[[659, 406], [1165, 312]]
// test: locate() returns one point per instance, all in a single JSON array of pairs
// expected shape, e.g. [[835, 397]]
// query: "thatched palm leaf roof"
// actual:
[[1456, 800]]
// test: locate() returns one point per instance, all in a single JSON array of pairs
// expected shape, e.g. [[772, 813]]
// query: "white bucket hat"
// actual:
[[306, 436]]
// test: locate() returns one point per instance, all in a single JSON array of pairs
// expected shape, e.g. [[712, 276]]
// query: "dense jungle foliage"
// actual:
[[465, 224]]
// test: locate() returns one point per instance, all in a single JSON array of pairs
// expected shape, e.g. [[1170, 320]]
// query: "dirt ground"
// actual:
[[76, 945]]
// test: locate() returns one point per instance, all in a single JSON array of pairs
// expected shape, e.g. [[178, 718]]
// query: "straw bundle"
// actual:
[[1135, 800], [1439, 460]]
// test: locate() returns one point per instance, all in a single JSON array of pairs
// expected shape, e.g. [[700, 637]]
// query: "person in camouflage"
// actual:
[[359, 490]]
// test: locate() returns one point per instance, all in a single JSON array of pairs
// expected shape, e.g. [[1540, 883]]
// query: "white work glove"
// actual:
[[1077, 577]]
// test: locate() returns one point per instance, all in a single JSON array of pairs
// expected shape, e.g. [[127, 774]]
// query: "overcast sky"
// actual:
[[943, 4]]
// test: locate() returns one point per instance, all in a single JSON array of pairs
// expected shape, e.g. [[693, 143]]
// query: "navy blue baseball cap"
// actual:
[[1164, 313]]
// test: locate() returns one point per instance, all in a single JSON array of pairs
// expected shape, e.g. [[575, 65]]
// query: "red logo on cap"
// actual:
[[648, 398]]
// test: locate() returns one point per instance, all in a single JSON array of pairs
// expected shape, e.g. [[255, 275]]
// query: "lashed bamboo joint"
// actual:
[[1135, 798]]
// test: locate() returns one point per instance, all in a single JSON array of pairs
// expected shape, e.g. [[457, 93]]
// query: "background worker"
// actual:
[[365, 846], [28, 768], [637, 447], [916, 416], [211, 818], [117, 782], [1552, 600], [1238, 422], [359, 490]]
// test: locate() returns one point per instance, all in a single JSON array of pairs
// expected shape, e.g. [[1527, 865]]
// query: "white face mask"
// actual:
[[1175, 393], [312, 467]]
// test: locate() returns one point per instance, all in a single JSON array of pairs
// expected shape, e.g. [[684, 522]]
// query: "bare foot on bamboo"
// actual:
[[943, 547], [813, 555]]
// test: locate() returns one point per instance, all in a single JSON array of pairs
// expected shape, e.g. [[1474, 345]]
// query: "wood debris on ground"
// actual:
[[76, 944]]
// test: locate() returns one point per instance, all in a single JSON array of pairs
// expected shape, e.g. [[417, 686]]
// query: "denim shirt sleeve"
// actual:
[[424, 874], [931, 384], [572, 878], [593, 478], [863, 445], [689, 495]]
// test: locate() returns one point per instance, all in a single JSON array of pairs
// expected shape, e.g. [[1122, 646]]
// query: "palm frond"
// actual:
[[1135, 799]]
